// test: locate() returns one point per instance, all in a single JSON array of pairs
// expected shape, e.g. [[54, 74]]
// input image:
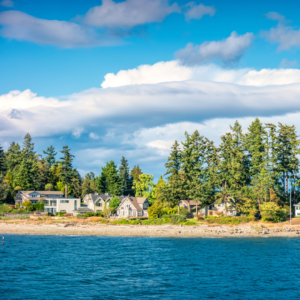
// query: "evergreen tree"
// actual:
[[86, 186], [28, 148], [13, 156], [109, 181], [66, 162], [136, 172], [173, 192], [26, 176], [50, 156], [3, 165], [125, 178]]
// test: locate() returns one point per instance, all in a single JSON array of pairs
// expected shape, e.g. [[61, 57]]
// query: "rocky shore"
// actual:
[[70, 228]]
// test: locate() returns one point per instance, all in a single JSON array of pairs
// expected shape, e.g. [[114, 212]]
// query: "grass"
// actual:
[[13, 218]]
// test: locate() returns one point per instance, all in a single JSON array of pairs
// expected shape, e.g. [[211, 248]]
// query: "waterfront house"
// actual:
[[297, 210], [227, 209], [193, 206], [68, 205], [35, 196], [97, 202], [133, 207]]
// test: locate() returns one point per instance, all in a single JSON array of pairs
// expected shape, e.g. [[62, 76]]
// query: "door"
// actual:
[[75, 205]]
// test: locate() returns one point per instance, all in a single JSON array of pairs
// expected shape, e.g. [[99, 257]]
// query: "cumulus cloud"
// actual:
[[129, 13], [137, 106], [7, 3], [195, 11], [93, 136], [286, 36], [227, 50], [174, 71], [21, 26]]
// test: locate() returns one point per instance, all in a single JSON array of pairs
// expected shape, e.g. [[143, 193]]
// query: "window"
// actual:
[[64, 201], [99, 204]]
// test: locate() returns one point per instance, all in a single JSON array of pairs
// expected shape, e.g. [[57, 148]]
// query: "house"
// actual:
[[35, 196], [68, 205], [297, 210], [227, 209], [193, 206], [97, 202], [133, 207]]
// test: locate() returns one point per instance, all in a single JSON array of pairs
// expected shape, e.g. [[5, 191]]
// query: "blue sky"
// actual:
[[129, 77]]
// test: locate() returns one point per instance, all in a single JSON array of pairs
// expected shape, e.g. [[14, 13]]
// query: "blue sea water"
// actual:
[[92, 267]]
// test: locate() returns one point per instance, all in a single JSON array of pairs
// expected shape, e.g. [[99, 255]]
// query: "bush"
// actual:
[[61, 213], [80, 215], [270, 211], [4, 209], [228, 220], [19, 211], [177, 219]]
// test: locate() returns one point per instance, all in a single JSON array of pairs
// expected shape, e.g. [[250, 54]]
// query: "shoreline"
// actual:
[[150, 230]]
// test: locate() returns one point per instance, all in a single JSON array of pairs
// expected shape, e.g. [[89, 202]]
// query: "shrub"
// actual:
[[155, 210], [4, 209], [19, 211], [228, 220], [61, 213], [270, 211], [177, 219], [79, 215]]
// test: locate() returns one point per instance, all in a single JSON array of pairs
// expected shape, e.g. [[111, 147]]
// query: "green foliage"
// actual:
[[135, 173], [270, 211], [109, 181], [60, 213], [48, 187], [125, 178], [228, 220], [144, 186], [155, 210], [50, 156], [114, 203], [4, 209]]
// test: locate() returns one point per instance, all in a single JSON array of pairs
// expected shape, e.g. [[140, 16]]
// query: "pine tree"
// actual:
[[50, 158], [26, 176], [109, 181], [136, 172], [3, 164], [28, 148], [125, 179], [86, 186], [67, 171], [13, 156], [173, 192]]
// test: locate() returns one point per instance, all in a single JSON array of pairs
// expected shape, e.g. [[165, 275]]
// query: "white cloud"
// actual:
[[93, 136], [129, 13], [7, 3], [275, 16], [227, 50], [198, 11], [21, 26], [173, 71], [286, 36], [77, 132]]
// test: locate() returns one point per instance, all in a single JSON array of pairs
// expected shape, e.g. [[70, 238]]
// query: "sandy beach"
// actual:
[[73, 228]]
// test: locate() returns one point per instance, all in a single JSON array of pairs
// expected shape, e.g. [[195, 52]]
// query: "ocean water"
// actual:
[[91, 267]]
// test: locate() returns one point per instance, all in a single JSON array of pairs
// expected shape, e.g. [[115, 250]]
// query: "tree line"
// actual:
[[21, 168], [251, 169]]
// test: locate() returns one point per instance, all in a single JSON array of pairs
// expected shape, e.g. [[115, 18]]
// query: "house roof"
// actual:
[[43, 192], [192, 202], [95, 197], [136, 202], [83, 210]]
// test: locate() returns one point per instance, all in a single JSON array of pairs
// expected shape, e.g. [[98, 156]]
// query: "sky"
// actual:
[[126, 78]]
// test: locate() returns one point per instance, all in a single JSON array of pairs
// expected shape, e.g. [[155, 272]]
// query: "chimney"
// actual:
[[66, 191]]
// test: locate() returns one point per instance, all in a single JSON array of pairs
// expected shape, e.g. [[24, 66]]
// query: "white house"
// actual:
[[67, 205], [35, 196], [297, 210], [133, 207]]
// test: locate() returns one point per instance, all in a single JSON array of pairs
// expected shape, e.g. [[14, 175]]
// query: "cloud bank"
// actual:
[[174, 71]]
